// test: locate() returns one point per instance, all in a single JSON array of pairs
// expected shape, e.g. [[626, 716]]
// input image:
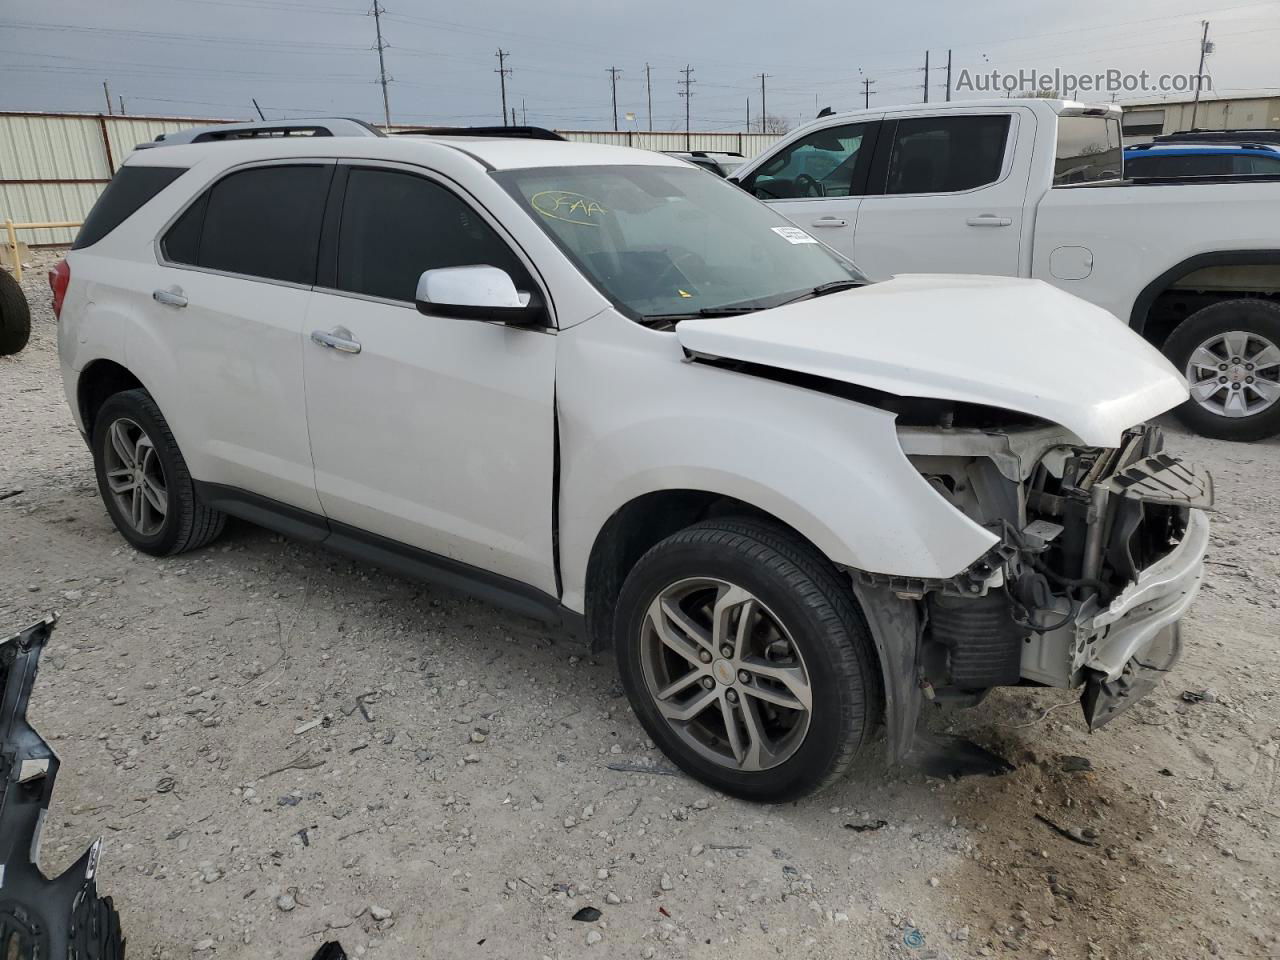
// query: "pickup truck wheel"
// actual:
[[144, 480], [15, 316], [746, 659], [1230, 355]]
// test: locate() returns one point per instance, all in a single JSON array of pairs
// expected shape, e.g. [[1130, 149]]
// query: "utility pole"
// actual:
[[613, 82], [258, 108], [524, 112], [377, 12], [764, 104], [648, 90], [121, 104], [926, 76], [866, 93], [948, 76], [513, 117], [748, 126], [687, 93], [1205, 48], [503, 72], [107, 90]]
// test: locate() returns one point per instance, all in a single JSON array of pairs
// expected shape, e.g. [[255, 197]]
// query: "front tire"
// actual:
[[746, 659], [1230, 354], [144, 481]]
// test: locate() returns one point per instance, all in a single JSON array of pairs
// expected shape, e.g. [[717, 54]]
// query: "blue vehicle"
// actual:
[[1176, 160]]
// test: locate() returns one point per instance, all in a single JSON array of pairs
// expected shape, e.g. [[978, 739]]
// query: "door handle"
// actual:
[[989, 220], [170, 298], [830, 222], [339, 339]]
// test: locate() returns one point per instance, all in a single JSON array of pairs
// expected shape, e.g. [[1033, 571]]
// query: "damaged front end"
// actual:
[[1100, 552], [40, 918]]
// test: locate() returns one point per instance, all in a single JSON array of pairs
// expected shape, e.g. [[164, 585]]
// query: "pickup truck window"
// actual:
[[670, 241], [1088, 150], [946, 154], [826, 163]]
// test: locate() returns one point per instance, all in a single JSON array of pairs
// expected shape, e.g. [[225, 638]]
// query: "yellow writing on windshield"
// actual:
[[568, 206]]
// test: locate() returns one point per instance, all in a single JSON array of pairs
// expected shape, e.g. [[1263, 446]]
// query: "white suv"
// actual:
[[600, 387]]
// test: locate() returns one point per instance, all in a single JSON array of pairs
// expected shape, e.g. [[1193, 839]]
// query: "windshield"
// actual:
[[671, 242]]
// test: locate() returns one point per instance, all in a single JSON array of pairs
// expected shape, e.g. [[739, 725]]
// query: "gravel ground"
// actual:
[[283, 747]]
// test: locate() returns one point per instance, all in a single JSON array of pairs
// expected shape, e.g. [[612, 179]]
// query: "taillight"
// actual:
[[59, 280]]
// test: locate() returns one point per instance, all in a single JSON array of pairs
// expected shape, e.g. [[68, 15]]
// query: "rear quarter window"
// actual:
[[129, 189], [1088, 150]]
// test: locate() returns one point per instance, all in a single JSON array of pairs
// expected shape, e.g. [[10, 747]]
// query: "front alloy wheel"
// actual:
[[746, 659], [725, 674]]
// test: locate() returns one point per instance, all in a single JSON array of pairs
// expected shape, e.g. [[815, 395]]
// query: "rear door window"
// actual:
[[947, 154], [129, 189], [262, 222]]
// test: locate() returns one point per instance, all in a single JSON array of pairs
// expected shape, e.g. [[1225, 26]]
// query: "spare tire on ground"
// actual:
[[15, 316]]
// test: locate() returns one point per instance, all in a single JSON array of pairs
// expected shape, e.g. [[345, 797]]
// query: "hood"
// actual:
[[1019, 345]]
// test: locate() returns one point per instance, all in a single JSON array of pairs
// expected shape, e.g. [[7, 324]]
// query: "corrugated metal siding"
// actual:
[[44, 202], [37, 148], [748, 144], [51, 148]]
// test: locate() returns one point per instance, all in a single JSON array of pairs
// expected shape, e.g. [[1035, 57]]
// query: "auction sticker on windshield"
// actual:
[[569, 207], [793, 235]]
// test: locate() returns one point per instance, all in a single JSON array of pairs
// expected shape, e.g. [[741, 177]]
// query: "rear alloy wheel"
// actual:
[[144, 481], [746, 659], [1230, 355]]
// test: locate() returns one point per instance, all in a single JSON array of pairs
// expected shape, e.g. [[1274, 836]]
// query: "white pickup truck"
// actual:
[[1035, 188]]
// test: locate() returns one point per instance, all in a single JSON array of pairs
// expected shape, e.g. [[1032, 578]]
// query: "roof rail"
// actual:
[[318, 127], [1230, 135], [520, 133]]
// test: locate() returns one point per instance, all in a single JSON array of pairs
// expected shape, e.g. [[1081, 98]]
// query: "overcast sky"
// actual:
[[207, 58]]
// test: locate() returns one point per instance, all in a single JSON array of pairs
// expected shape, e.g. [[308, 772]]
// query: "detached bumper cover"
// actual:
[[39, 917]]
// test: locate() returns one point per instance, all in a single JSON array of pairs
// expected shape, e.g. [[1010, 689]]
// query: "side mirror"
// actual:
[[476, 293]]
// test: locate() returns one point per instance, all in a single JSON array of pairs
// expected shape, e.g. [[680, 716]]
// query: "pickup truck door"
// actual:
[[817, 180], [434, 432], [947, 193]]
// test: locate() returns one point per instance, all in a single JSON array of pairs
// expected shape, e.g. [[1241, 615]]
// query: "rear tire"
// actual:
[[15, 316], [800, 689], [144, 480], [1230, 354]]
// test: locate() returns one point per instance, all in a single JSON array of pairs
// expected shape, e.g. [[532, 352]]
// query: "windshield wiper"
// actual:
[[704, 312], [822, 289]]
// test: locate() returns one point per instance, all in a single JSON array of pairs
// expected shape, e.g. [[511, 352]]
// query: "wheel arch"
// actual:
[[1156, 331], [639, 524], [98, 381]]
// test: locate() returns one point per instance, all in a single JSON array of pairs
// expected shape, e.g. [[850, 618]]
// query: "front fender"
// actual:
[[635, 419]]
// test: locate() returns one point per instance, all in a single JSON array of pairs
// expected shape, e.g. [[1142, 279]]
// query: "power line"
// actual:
[[764, 106], [648, 91], [503, 72], [377, 13], [613, 82], [687, 93]]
